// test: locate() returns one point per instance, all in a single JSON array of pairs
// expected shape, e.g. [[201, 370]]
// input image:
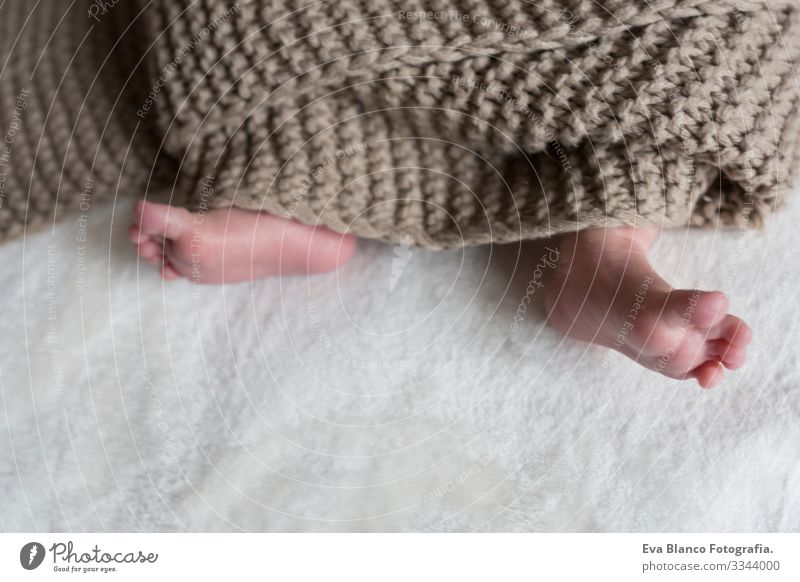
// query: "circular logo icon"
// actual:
[[31, 555]]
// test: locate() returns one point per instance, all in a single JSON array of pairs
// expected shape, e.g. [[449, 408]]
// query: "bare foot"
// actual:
[[228, 245], [605, 291]]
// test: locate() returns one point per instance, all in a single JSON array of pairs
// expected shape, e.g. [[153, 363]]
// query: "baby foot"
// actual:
[[228, 245], [604, 291]]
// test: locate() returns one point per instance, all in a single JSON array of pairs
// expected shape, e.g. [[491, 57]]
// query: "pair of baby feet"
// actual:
[[603, 289]]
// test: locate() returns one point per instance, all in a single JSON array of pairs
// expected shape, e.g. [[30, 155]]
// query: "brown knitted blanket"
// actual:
[[460, 122]]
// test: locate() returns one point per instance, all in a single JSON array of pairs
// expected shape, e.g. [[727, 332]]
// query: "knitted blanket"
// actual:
[[437, 123]]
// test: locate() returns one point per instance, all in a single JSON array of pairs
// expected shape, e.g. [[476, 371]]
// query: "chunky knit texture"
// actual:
[[441, 123]]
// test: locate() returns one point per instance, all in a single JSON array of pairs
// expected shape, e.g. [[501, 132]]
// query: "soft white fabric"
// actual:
[[392, 395]]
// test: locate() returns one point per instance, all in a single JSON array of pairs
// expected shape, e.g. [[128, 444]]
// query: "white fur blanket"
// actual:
[[392, 395]]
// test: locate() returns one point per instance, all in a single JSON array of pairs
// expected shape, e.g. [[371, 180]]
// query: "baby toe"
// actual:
[[708, 374], [150, 249], [135, 234], [737, 332], [168, 272], [733, 331], [702, 309], [161, 220], [732, 357]]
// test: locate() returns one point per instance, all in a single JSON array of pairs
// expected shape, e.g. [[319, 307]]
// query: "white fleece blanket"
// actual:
[[392, 395]]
